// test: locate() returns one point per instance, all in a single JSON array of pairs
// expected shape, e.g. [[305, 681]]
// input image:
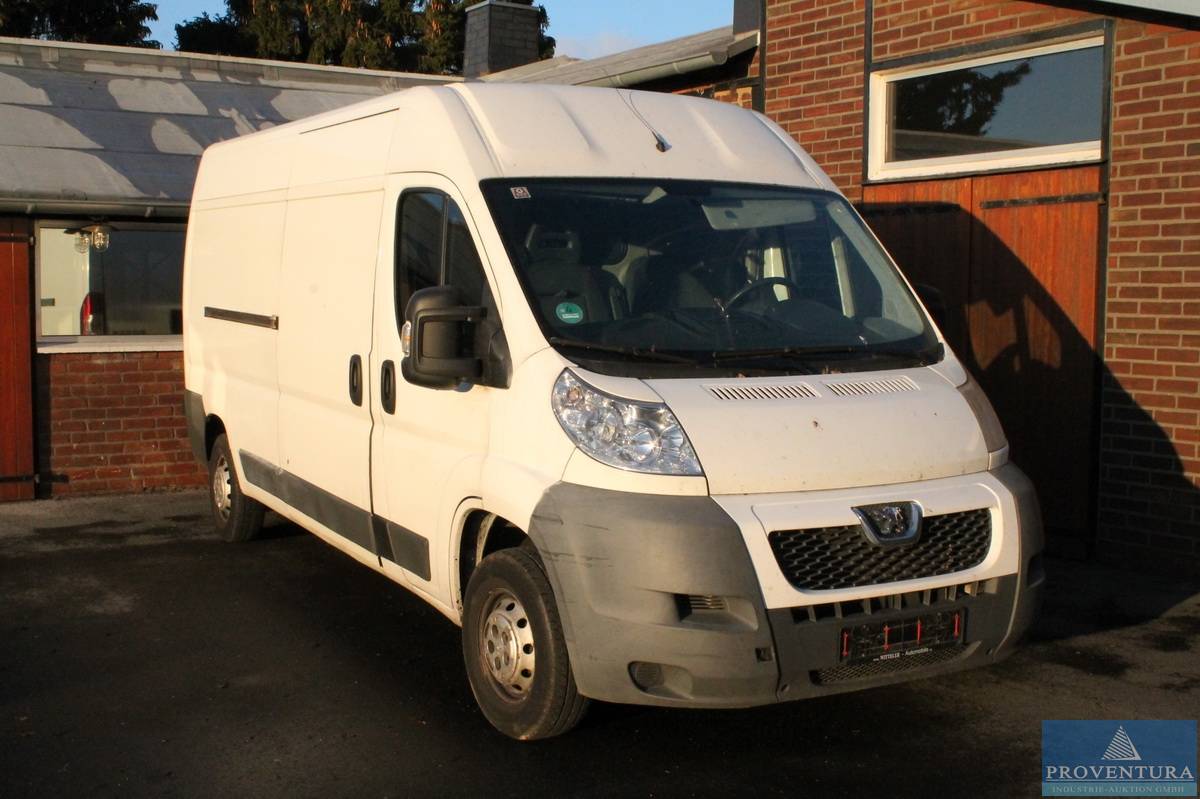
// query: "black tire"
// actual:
[[236, 516], [509, 590]]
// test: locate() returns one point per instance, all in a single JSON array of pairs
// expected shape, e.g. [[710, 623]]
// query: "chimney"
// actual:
[[747, 16], [500, 36]]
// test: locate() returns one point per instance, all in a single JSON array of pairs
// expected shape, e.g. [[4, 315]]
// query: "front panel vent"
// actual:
[[863, 388], [703, 602], [762, 391]]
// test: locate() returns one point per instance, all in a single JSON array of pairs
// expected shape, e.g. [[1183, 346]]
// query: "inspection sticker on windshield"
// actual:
[[569, 312], [520, 193]]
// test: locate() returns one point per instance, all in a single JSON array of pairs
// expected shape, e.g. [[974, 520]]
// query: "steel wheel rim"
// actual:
[[506, 646], [222, 488]]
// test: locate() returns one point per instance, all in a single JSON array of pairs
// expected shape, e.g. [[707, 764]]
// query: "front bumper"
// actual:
[[661, 605]]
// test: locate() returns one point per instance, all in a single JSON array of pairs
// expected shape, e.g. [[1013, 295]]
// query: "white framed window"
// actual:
[[1033, 106], [108, 287]]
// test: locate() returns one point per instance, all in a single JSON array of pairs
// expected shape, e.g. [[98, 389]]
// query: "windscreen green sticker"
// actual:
[[569, 313]]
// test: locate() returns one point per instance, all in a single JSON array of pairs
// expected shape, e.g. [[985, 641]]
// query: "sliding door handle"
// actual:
[[356, 386]]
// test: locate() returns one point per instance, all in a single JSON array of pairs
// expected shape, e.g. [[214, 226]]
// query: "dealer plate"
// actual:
[[898, 638]]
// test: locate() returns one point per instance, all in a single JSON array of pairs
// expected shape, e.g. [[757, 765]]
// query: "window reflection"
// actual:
[[1018, 104]]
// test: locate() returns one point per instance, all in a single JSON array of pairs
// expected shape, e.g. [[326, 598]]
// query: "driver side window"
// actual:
[[434, 248]]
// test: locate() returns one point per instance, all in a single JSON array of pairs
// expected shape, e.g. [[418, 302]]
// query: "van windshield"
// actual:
[[716, 275]]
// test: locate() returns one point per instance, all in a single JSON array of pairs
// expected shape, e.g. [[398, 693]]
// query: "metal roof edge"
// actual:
[[266, 68], [150, 208], [681, 66]]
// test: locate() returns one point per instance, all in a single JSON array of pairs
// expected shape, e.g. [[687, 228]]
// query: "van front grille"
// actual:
[[827, 558]]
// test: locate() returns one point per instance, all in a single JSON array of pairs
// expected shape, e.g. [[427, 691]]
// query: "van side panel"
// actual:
[[243, 167], [233, 266]]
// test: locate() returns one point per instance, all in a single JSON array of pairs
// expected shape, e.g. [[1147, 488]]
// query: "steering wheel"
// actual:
[[758, 285]]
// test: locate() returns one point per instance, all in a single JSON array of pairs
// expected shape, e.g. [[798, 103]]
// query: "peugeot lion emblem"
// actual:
[[890, 522]]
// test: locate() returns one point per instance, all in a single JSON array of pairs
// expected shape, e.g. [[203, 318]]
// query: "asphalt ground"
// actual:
[[140, 656]]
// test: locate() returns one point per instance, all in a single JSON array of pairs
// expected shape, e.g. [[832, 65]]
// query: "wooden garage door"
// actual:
[[1016, 256], [16, 378]]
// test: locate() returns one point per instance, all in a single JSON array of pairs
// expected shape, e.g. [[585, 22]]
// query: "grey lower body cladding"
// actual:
[[660, 605], [384, 538]]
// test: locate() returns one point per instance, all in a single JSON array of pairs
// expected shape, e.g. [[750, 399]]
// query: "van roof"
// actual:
[[474, 131]]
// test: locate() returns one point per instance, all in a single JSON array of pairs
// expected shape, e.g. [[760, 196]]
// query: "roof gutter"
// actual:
[[31, 206], [713, 58]]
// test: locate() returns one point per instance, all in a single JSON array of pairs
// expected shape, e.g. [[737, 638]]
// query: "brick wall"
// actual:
[[1149, 499], [815, 82], [112, 423], [904, 27], [1150, 463]]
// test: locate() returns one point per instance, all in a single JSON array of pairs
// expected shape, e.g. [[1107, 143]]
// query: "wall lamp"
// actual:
[[96, 237]]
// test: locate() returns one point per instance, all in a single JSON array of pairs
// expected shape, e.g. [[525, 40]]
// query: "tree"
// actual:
[[121, 22], [443, 36], [223, 35], [954, 102], [378, 34], [410, 35]]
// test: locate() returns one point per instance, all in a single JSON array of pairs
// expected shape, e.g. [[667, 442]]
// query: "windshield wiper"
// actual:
[[631, 352], [808, 353]]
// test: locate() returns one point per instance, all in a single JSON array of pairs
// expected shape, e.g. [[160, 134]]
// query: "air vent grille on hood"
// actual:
[[762, 391], [862, 388]]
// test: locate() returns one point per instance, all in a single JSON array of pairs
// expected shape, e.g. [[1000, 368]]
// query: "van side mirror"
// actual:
[[935, 303], [440, 350]]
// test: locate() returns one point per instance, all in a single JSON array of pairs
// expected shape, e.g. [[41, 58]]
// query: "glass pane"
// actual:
[[134, 287], [62, 281], [139, 278], [1026, 102], [463, 270], [716, 275], [419, 264]]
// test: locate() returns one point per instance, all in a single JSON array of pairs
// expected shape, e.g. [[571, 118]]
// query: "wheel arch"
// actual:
[[203, 427], [479, 533], [214, 427]]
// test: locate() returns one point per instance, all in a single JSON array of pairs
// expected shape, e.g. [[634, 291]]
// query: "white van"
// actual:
[[617, 381]]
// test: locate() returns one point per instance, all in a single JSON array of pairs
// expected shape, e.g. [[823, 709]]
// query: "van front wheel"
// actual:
[[515, 654], [237, 517]]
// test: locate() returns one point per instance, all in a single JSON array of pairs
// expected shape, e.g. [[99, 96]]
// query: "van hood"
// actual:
[[760, 435]]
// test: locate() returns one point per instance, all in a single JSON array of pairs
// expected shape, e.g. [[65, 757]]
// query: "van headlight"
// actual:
[[638, 436]]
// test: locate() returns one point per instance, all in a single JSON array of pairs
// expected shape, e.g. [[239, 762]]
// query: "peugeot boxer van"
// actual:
[[617, 381]]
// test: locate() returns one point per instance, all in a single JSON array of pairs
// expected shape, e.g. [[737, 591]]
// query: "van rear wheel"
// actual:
[[514, 649], [236, 516]]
